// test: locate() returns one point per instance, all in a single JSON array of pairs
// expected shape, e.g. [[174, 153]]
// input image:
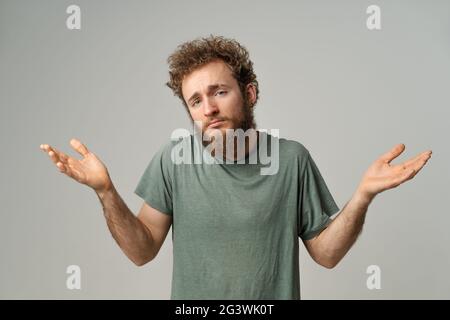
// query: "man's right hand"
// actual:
[[89, 171]]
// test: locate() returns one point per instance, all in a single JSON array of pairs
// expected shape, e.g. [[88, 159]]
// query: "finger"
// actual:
[[419, 164], [411, 172], [414, 162], [79, 147], [61, 167], [66, 169], [51, 152], [393, 153], [61, 155], [406, 175], [64, 158], [45, 147], [54, 155]]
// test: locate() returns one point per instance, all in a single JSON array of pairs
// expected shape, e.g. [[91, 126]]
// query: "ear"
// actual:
[[251, 94]]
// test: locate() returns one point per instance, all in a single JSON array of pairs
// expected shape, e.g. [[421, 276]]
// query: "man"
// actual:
[[235, 231]]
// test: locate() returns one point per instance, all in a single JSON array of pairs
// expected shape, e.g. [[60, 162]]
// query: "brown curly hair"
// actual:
[[198, 52]]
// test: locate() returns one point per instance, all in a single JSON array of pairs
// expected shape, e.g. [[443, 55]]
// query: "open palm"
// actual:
[[382, 175], [89, 170]]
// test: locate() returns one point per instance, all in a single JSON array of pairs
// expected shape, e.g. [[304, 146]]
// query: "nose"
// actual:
[[210, 107]]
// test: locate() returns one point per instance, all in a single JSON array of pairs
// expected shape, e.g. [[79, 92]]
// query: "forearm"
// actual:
[[132, 236], [331, 245], [337, 239]]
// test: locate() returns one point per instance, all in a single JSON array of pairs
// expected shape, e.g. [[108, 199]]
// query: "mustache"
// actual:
[[214, 120]]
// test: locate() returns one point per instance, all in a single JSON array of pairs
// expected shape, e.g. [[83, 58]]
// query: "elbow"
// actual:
[[141, 261], [329, 263]]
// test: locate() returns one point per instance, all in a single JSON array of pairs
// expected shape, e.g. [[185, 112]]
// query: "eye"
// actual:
[[221, 91], [195, 103]]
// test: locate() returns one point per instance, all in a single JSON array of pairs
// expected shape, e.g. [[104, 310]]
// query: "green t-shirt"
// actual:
[[235, 231]]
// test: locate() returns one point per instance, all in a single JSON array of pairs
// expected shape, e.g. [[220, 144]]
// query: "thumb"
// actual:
[[79, 147], [393, 153]]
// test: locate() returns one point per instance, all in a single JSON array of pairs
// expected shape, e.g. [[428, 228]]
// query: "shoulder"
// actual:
[[293, 155], [162, 156], [170, 144], [293, 148]]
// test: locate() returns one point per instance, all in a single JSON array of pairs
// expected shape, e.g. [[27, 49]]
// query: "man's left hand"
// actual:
[[382, 175]]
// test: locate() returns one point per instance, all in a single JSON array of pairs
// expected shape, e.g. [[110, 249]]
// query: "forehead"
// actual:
[[210, 73]]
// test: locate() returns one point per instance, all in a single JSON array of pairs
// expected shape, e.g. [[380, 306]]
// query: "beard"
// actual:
[[245, 122], [248, 120]]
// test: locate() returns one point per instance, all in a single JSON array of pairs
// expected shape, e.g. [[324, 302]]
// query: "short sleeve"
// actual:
[[156, 183], [316, 202]]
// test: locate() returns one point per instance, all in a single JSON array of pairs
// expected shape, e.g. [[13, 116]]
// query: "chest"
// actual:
[[216, 201]]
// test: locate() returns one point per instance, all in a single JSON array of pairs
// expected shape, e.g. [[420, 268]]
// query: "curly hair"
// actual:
[[198, 52]]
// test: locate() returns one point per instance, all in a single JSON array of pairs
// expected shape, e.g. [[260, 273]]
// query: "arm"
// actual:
[[331, 245], [140, 238]]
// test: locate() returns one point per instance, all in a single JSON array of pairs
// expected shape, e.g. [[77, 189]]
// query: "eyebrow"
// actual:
[[211, 88]]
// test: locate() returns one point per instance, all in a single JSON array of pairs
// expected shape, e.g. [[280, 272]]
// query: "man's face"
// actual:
[[212, 94]]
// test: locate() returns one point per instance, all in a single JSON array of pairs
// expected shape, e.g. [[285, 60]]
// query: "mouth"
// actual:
[[216, 123]]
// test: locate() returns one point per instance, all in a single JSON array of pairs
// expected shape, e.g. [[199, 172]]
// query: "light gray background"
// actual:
[[347, 93]]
